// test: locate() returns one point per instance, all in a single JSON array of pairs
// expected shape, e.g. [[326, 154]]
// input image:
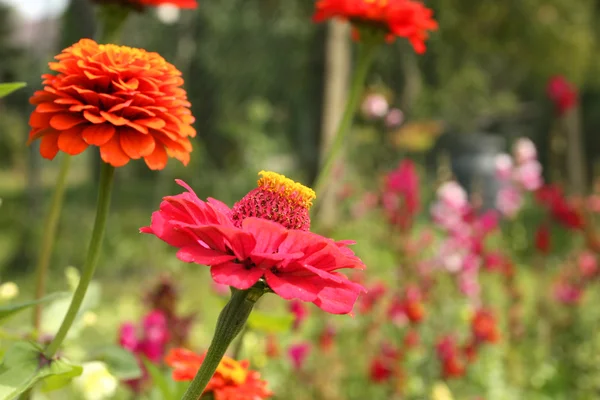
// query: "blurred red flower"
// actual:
[[484, 327], [449, 355], [400, 197], [543, 239], [232, 380], [562, 93], [126, 101], [552, 197], [298, 353], [381, 370], [403, 18], [264, 236]]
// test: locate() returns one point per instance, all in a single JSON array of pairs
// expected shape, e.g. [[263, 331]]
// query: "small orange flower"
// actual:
[[126, 101], [403, 18], [232, 380]]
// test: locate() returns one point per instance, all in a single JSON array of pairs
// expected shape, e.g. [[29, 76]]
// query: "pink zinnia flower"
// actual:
[[504, 166], [298, 354], [265, 236], [300, 312], [509, 201], [529, 175]]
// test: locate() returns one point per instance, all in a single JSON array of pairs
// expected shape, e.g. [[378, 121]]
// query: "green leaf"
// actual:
[[8, 88], [8, 310], [120, 362], [158, 379], [270, 323], [21, 369]]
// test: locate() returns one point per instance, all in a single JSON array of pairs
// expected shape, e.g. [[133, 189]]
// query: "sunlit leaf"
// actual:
[[22, 368], [270, 323], [8, 310], [121, 363], [8, 88]]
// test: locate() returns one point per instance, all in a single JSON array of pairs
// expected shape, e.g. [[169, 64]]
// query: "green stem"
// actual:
[[104, 191], [48, 239], [230, 323], [367, 48]]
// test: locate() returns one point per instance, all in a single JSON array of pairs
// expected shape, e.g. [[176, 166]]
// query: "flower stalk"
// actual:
[[230, 323], [48, 239], [367, 49], [102, 208]]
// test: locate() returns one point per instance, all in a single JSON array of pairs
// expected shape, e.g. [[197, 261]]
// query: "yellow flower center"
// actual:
[[295, 192], [232, 370]]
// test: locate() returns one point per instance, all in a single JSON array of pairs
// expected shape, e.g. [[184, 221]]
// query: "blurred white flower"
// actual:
[[96, 382], [8, 291], [524, 151], [167, 13], [504, 166], [374, 106]]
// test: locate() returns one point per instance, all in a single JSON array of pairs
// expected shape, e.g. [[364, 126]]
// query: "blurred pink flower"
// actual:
[[524, 151], [452, 195], [509, 201], [529, 175], [504, 166], [300, 311], [588, 264], [394, 118], [401, 194], [298, 354], [220, 289], [567, 292], [374, 294], [374, 106], [469, 284], [368, 201]]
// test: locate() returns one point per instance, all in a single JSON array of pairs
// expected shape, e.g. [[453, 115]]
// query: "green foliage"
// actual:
[[270, 323], [23, 366], [121, 363], [9, 310], [8, 88]]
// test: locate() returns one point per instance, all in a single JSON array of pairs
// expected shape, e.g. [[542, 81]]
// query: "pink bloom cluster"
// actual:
[[573, 280], [400, 197], [463, 250], [518, 174], [148, 340], [375, 106]]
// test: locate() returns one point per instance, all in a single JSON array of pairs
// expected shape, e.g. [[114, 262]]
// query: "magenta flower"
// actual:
[[298, 354], [265, 236], [300, 312]]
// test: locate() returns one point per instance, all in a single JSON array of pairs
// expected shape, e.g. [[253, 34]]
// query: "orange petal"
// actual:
[[38, 133], [93, 118], [98, 134], [70, 141], [39, 120], [158, 159], [135, 144], [49, 107], [112, 153], [62, 122], [49, 145], [114, 119], [154, 123]]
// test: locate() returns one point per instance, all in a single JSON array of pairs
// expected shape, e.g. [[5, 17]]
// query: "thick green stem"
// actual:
[[367, 48], [104, 191], [230, 323], [48, 238]]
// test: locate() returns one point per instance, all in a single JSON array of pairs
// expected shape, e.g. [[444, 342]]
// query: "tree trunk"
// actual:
[[337, 73]]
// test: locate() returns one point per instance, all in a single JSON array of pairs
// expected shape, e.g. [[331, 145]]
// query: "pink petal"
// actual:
[[164, 230], [269, 235], [236, 275], [289, 287], [337, 299], [201, 255]]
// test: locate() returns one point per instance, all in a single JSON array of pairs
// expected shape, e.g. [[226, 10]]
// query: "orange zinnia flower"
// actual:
[[404, 18], [126, 101], [232, 380]]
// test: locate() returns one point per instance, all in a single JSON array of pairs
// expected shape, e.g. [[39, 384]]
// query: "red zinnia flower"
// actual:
[[126, 101], [484, 327], [562, 93], [232, 380], [264, 236], [543, 239], [404, 18]]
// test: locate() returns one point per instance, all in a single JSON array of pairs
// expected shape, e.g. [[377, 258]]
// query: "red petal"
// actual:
[[236, 275], [112, 153], [98, 135], [49, 145], [135, 144], [62, 122], [201, 255], [305, 288], [70, 141], [158, 159]]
